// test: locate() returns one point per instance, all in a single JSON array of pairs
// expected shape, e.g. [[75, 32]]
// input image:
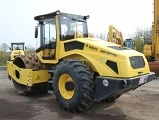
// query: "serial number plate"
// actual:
[[143, 79]]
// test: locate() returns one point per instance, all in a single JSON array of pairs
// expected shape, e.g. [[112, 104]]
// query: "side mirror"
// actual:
[[25, 48], [36, 32], [9, 48]]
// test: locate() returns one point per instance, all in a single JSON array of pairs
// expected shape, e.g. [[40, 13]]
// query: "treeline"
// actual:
[[4, 47], [141, 36], [3, 57]]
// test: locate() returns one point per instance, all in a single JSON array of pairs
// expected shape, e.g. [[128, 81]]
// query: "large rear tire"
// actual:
[[73, 85]]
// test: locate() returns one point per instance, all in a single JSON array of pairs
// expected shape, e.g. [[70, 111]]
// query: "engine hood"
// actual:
[[102, 45]]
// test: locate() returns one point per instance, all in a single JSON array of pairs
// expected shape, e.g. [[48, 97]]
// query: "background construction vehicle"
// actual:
[[147, 50], [17, 49], [151, 47], [116, 36], [129, 43], [76, 68]]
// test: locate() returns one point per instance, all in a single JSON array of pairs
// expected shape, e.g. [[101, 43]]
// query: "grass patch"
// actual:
[[5, 55]]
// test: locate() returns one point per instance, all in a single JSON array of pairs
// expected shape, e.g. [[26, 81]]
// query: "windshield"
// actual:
[[129, 44], [49, 30], [17, 47], [72, 25]]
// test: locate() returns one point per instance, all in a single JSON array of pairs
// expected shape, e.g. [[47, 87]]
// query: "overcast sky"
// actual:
[[17, 16]]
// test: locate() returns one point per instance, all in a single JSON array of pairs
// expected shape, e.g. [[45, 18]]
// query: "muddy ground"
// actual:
[[141, 104]]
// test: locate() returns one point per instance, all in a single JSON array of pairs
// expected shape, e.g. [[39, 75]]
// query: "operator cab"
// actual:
[[17, 46], [129, 43], [58, 26]]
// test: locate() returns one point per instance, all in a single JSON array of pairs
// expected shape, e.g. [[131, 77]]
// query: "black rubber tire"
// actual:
[[112, 98], [83, 85], [20, 89], [9, 77], [9, 59]]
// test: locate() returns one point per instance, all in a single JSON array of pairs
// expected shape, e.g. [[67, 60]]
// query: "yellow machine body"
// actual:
[[155, 26], [97, 52], [151, 47], [16, 49], [27, 77], [15, 53], [78, 69], [147, 50]]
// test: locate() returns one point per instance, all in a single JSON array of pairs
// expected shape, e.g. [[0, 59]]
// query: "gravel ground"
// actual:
[[140, 104]]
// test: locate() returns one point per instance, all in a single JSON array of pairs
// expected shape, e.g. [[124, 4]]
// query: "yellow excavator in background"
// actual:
[[151, 47], [116, 36], [75, 68]]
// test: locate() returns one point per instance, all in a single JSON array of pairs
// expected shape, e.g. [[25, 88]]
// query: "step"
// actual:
[[50, 91], [51, 71], [50, 81]]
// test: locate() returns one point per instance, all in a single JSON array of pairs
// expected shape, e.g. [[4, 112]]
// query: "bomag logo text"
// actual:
[[91, 47]]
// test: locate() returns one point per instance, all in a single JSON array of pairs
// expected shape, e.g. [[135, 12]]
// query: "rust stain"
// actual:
[[154, 67]]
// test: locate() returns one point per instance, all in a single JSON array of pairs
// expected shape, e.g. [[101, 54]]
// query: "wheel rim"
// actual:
[[66, 79]]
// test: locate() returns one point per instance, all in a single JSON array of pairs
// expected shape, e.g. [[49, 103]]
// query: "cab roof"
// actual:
[[49, 15], [52, 14], [17, 43]]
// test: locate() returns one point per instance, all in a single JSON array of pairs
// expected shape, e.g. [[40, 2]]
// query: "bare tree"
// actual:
[[140, 36], [145, 33], [30, 47], [102, 36], [4, 47]]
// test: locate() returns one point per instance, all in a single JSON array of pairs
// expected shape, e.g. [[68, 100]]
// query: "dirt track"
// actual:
[[141, 104]]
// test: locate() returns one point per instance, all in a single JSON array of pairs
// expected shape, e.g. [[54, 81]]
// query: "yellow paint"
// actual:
[[61, 85], [27, 76], [95, 53], [16, 53]]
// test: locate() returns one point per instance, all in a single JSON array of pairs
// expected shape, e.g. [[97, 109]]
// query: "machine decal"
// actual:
[[91, 47], [108, 53], [105, 83], [102, 60], [71, 16], [38, 77], [143, 79]]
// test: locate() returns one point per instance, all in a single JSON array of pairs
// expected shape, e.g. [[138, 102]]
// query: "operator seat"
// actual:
[[17, 48], [70, 35]]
